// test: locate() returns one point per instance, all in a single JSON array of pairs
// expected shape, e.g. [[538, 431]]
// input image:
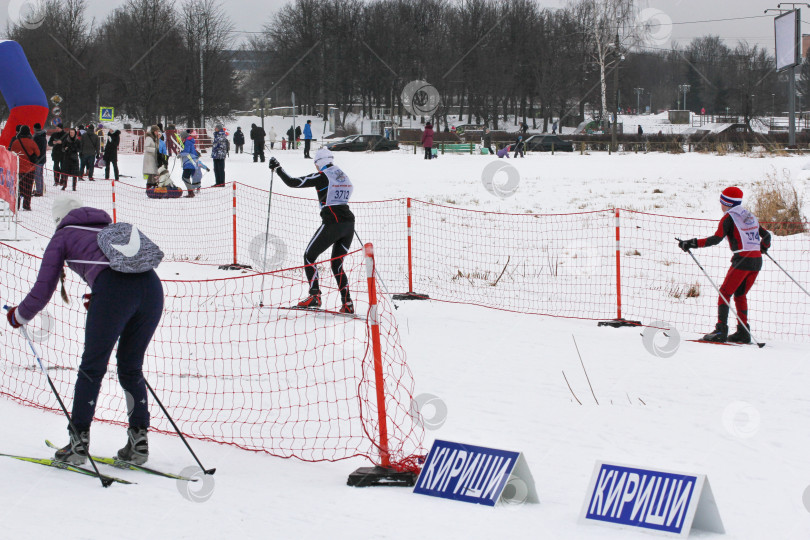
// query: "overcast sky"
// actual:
[[249, 15]]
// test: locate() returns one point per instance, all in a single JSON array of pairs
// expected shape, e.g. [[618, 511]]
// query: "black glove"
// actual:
[[764, 249], [12, 319], [686, 245], [273, 164], [86, 298]]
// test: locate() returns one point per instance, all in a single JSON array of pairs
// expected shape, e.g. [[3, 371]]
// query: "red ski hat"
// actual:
[[731, 196]]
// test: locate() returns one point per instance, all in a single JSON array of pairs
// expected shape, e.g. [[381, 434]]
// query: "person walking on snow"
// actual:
[[219, 150], [337, 229], [90, 150], [427, 140], [239, 140], [190, 156], [748, 240], [28, 151], [122, 308], [271, 137], [307, 138]]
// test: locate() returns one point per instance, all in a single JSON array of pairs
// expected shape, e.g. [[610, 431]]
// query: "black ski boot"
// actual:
[[720, 334], [75, 452], [137, 449], [740, 336], [347, 307]]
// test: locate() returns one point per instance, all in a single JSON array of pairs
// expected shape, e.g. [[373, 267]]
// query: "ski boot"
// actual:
[[348, 307], [740, 336], [137, 449], [720, 334], [311, 301], [75, 452]]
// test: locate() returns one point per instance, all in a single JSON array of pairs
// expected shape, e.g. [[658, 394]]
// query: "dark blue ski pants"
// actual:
[[125, 308]]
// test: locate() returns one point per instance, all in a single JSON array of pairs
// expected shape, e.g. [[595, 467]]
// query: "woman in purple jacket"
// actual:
[[122, 307], [427, 140]]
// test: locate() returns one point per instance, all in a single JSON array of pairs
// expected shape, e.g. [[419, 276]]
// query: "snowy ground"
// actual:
[[739, 415]]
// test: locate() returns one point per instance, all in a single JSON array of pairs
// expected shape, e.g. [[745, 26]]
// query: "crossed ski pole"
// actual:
[[787, 274], [726, 300], [105, 481]]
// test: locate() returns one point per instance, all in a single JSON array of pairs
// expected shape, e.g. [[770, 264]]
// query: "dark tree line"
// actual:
[[488, 59], [144, 58], [491, 59]]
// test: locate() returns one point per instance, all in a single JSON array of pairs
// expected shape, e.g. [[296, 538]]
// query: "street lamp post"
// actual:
[[684, 88], [638, 92]]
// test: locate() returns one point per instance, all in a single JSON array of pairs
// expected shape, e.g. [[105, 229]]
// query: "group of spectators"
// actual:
[[262, 138], [74, 153]]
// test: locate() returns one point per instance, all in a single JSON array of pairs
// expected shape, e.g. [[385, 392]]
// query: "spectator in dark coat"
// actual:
[[640, 131], [257, 135], [297, 136], [55, 142], [111, 153], [427, 140], [71, 145], [239, 141], [291, 137], [89, 151], [41, 138], [487, 140], [25, 147]]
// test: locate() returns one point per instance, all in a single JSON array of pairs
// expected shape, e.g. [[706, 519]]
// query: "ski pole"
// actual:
[[787, 274], [105, 481], [266, 235], [726, 300], [171, 421]]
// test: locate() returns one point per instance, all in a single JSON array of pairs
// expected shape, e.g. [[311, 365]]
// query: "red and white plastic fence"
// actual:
[[589, 265], [314, 386]]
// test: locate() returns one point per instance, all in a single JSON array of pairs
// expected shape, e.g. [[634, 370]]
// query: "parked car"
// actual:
[[361, 143], [542, 143]]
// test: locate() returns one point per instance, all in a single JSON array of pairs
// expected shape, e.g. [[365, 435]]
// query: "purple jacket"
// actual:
[[67, 244], [427, 138]]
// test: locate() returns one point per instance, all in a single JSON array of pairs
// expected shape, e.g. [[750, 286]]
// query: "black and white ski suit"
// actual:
[[337, 229]]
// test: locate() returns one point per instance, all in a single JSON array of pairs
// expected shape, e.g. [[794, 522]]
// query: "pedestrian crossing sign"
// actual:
[[106, 114]]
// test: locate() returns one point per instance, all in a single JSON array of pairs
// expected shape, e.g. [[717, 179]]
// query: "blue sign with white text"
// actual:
[[463, 472], [633, 497]]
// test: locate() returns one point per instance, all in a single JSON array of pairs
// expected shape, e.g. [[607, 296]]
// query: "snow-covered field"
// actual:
[[738, 414]]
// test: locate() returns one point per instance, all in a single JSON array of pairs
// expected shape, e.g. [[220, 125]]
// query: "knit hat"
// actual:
[[218, 127], [731, 197], [323, 157], [63, 205]]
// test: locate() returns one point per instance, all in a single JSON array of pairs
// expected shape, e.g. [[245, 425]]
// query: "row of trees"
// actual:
[[145, 58], [488, 59]]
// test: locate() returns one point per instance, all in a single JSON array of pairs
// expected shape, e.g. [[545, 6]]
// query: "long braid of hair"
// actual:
[[65, 297]]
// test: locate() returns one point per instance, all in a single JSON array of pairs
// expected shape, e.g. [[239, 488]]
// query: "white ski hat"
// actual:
[[323, 157], [63, 205]]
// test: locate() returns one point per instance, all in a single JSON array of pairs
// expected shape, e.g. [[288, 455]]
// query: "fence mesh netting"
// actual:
[[299, 385]]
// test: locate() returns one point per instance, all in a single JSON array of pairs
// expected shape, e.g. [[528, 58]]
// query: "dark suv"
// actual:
[[542, 143]]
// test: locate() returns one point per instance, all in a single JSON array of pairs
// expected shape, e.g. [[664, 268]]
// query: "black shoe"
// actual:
[[720, 334], [137, 449], [740, 336], [75, 452]]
